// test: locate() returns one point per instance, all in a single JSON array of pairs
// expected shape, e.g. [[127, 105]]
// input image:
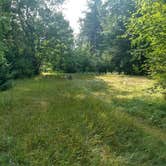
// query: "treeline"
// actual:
[[124, 36], [33, 34]]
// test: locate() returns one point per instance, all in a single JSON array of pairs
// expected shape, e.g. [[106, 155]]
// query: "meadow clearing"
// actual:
[[104, 120]]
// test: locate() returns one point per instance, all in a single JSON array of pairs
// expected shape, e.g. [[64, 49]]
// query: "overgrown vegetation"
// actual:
[[125, 36], [89, 120], [32, 33]]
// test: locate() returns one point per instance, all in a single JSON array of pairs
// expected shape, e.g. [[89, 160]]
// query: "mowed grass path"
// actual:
[[107, 120]]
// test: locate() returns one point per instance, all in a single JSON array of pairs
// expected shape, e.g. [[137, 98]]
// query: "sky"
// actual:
[[73, 11]]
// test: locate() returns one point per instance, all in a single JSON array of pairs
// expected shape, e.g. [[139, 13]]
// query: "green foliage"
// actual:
[[104, 28], [57, 44], [131, 33], [4, 71], [32, 34], [124, 36], [91, 26], [116, 16], [84, 60], [4, 28], [148, 31], [94, 57], [6, 85]]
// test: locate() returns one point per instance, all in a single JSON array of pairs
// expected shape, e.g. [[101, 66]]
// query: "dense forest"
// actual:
[[124, 36]]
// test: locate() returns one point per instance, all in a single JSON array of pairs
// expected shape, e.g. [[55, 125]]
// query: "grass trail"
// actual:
[[90, 120]]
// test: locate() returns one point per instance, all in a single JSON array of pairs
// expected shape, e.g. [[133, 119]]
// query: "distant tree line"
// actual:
[[124, 36], [33, 34]]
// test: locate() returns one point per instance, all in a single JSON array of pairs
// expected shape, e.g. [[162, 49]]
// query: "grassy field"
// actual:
[[106, 120]]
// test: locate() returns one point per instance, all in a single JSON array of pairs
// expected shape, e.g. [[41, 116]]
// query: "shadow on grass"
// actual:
[[124, 125], [151, 110], [80, 120]]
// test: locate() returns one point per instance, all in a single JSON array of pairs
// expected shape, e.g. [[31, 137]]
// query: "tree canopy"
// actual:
[[124, 36]]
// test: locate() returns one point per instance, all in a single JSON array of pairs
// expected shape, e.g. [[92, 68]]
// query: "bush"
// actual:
[[25, 66], [7, 85], [4, 74]]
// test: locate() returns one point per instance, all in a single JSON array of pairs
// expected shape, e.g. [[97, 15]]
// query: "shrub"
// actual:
[[7, 85], [4, 74]]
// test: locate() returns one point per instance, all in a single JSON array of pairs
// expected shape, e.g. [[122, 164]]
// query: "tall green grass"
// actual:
[[89, 120]]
